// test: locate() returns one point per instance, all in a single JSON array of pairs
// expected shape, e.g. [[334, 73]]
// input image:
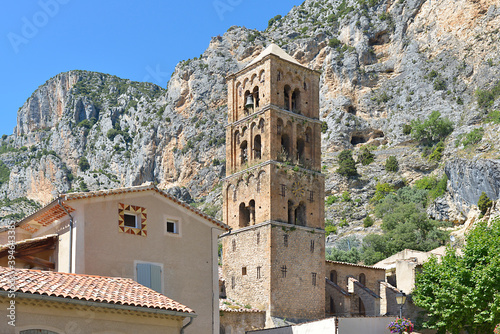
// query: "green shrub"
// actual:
[[432, 130], [324, 127], [329, 228], [368, 221], [83, 163], [382, 190], [83, 186], [437, 152], [334, 42], [4, 173], [484, 203], [346, 197], [435, 186], [347, 166], [331, 199], [493, 117], [391, 164], [485, 98], [406, 129], [4, 137], [473, 137], [366, 157], [273, 20]]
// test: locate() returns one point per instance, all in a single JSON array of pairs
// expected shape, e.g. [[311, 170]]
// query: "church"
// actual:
[[274, 255]]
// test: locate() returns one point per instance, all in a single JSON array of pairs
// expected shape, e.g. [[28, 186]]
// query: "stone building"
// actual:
[[274, 256]]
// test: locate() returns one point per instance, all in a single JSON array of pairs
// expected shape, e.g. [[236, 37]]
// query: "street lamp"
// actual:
[[400, 300]]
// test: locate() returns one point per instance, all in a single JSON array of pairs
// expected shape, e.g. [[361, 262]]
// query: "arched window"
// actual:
[[362, 279], [245, 108], [244, 215], [300, 214], [278, 76], [251, 210], [243, 152], [333, 276], [300, 150], [285, 148], [262, 76], [291, 218], [287, 97], [256, 98], [257, 146], [295, 101]]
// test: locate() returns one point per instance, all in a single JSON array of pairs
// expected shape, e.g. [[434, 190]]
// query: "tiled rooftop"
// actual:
[[112, 290]]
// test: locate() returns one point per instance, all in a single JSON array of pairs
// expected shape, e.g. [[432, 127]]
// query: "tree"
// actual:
[[366, 157], [391, 164], [484, 203], [347, 166], [462, 293], [83, 163], [432, 130]]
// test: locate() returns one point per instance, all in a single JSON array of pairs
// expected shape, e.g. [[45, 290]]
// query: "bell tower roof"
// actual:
[[277, 51]]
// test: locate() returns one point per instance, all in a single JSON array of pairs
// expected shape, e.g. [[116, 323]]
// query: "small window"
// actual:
[[172, 226], [311, 196], [285, 240], [258, 272], [314, 279], [312, 246], [234, 245], [244, 271], [258, 238], [283, 190], [283, 271], [130, 220]]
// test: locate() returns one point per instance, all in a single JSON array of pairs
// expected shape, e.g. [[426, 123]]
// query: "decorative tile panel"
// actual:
[[136, 210]]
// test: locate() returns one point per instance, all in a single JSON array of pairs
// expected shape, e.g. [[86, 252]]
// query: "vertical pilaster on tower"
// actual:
[[273, 194]]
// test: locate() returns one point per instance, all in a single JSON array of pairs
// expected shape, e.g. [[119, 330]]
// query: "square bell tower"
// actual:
[[274, 257]]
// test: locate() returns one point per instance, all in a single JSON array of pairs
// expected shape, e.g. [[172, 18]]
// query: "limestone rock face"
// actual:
[[382, 67]]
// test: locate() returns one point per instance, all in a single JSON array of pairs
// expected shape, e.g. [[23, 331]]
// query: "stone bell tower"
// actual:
[[274, 257]]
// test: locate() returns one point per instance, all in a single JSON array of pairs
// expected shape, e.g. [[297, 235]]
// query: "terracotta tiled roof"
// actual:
[[53, 211], [229, 305], [112, 290], [30, 243], [354, 265]]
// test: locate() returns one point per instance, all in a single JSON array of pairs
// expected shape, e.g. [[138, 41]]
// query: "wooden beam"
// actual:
[[37, 261]]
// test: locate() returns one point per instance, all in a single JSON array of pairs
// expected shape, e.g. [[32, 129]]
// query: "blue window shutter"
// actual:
[[144, 274], [156, 278]]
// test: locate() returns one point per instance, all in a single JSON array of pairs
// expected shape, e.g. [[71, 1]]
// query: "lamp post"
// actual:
[[400, 300]]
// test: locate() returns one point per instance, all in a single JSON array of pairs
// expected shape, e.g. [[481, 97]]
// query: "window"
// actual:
[[283, 271], [129, 219], [132, 219], [312, 246], [244, 271], [258, 238], [172, 226], [234, 245], [258, 272], [311, 196], [283, 190], [313, 279], [150, 275], [285, 240]]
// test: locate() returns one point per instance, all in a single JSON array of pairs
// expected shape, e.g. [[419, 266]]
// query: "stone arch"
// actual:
[[244, 215], [251, 209], [256, 97], [262, 124], [362, 279], [300, 214], [252, 79], [260, 177], [295, 101], [243, 152], [287, 96], [333, 276], [257, 147], [245, 98], [245, 82]]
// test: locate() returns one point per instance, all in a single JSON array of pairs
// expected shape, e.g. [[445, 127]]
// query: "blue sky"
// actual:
[[138, 40]]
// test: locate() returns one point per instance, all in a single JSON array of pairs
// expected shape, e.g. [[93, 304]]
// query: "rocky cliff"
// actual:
[[383, 63]]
